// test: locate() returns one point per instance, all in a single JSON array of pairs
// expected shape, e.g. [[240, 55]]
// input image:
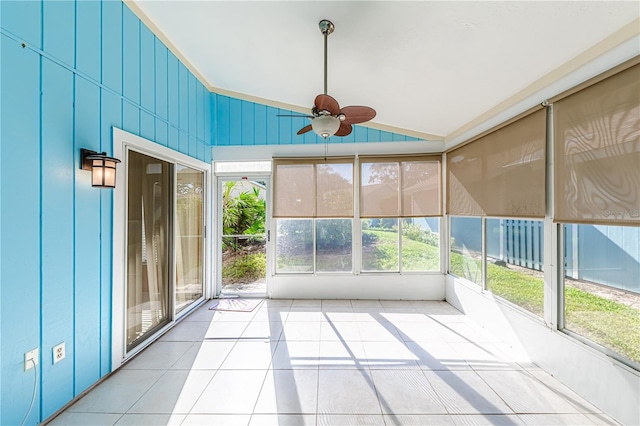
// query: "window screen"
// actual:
[[313, 188], [597, 152], [400, 186], [502, 173]]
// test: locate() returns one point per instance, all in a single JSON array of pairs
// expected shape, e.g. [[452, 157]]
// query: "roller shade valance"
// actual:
[[501, 174], [307, 188], [405, 186], [597, 152]]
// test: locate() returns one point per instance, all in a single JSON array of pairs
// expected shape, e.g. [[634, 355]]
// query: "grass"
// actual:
[[244, 267], [382, 255], [606, 322]]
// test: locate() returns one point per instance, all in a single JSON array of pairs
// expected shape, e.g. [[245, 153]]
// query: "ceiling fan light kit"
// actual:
[[327, 118], [325, 125]]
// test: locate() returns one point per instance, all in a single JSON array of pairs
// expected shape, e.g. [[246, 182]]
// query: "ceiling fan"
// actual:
[[327, 118]]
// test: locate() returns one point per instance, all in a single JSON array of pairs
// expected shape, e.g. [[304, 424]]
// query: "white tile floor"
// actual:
[[331, 362]]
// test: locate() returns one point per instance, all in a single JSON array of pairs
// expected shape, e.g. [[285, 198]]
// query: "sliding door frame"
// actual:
[[123, 142]]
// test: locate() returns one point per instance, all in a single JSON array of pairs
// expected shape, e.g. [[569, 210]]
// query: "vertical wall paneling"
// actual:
[[58, 26], [360, 133], [309, 137], [235, 120], [200, 103], [111, 116], [161, 79], [161, 132], [260, 129], [147, 69], [57, 234], [213, 107], [130, 55], [24, 20], [223, 120], [248, 123], [172, 89], [350, 138], [207, 154], [285, 128], [55, 268], [193, 146], [130, 118], [374, 135], [147, 125], [87, 239], [272, 122], [88, 34], [386, 136], [112, 45], [193, 105], [173, 138], [207, 117], [200, 150], [20, 262], [183, 110], [240, 122]]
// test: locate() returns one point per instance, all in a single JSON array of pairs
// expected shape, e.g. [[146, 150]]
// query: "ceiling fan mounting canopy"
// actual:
[[328, 119], [326, 27]]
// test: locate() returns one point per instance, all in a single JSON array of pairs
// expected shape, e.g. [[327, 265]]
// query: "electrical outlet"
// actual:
[[32, 355], [58, 353]]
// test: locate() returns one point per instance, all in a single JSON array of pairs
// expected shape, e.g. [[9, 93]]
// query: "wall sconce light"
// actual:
[[103, 168]]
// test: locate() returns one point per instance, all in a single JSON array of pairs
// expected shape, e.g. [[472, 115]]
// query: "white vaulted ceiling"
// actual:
[[433, 69]]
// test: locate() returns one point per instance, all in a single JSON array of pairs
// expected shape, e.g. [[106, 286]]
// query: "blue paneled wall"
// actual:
[[70, 71], [239, 122]]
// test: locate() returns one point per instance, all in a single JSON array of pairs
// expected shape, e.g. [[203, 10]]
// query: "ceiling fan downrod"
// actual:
[[326, 28]]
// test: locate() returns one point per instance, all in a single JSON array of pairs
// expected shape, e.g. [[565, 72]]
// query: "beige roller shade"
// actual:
[[502, 173], [597, 152], [313, 188], [400, 186]]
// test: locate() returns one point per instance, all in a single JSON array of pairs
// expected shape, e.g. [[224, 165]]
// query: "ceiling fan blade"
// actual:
[[305, 129], [344, 129], [326, 102], [357, 114], [295, 115]]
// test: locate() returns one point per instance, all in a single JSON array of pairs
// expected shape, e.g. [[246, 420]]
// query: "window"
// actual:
[[596, 189], [294, 245], [334, 245], [465, 259], [514, 262], [602, 286], [399, 209], [313, 207]]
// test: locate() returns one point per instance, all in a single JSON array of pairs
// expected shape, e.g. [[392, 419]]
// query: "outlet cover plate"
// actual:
[[32, 355], [58, 352]]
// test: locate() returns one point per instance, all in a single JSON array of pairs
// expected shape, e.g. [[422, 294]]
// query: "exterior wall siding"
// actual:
[[85, 66], [240, 122]]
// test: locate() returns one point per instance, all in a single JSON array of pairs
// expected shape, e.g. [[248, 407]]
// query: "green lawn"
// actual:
[[243, 267], [609, 323], [382, 254]]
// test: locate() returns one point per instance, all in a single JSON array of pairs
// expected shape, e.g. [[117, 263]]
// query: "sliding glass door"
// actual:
[[165, 243], [189, 236], [148, 246]]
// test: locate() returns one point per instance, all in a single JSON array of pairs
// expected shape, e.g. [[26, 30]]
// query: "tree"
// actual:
[[242, 213]]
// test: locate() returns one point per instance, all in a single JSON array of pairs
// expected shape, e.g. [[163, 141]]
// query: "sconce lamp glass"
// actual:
[[103, 168]]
